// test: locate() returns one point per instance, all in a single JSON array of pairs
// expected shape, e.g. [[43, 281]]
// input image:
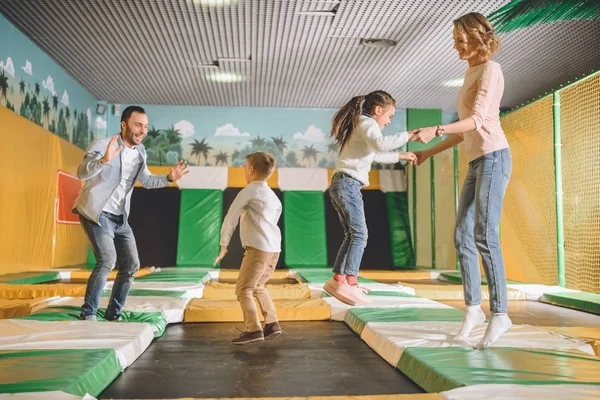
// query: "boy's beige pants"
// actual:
[[257, 267]]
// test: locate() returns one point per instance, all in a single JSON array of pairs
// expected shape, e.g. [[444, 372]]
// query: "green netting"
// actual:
[[357, 318], [72, 371], [149, 292], [72, 313], [421, 193], [200, 218], [441, 369], [582, 301], [176, 275], [304, 229], [402, 251], [30, 278]]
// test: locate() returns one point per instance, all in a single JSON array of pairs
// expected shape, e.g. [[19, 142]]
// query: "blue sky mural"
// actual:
[[298, 137], [35, 87]]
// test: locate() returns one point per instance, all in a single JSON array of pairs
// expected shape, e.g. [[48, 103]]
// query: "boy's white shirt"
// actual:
[[365, 146], [258, 209]]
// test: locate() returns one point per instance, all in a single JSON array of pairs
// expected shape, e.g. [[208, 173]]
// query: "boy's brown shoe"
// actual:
[[249, 337], [272, 330]]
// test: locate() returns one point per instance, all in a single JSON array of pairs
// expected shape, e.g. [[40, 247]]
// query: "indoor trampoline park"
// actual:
[[300, 199]]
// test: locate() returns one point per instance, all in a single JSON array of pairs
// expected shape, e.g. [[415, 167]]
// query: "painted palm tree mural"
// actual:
[[280, 144], [332, 148], [163, 146], [258, 143], [200, 149], [221, 158], [3, 84], [310, 154]]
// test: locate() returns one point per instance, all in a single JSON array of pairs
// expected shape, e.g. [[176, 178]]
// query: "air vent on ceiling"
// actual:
[[378, 43]]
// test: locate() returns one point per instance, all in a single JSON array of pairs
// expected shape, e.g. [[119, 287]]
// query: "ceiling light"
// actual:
[[454, 83], [225, 77], [378, 43], [215, 3]]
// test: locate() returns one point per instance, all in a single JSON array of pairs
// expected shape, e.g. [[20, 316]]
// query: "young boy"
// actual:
[[260, 210]]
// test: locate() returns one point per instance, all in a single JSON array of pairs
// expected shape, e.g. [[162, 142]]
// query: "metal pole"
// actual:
[[432, 179], [560, 240], [414, 221], [456, 194]]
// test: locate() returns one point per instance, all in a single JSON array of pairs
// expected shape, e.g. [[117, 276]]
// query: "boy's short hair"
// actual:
[[263, 163]]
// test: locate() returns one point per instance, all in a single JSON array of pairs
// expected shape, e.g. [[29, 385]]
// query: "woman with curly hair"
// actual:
[[490, 167]]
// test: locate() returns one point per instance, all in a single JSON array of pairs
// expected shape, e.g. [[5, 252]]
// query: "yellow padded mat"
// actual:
[[455, 292], [203, 310], [20, 308], [592, 335], [42, 290], [85, 273], [233, 274], [226, 291]]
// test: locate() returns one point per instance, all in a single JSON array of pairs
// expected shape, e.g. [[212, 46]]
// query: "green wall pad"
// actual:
[[401, 244], [304, 225], [357, 318], [30, 278], [441, 369], [583, 301], [177, 275], [71, 313], [200, 218], [91, 258], [76, 372]]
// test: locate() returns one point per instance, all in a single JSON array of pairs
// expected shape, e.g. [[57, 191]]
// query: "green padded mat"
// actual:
[[456, 277], [439, 369], [401, 243], [322, 276], [176, 275], [30, 278], [304, 229], [389, 294], [71, 313], [200, 218], [357, 318], [583, 301], [76, 372]]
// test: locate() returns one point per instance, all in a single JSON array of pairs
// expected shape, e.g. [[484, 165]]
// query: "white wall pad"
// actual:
[[303, 179], [535, 292], [54, 395], [523, 392], [389, 339], [172, 308], [392, 180], [129, 340], [190, 290], [204, 178], [339, 309], [65, 273]]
